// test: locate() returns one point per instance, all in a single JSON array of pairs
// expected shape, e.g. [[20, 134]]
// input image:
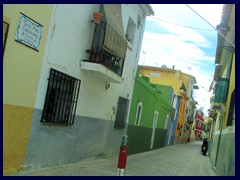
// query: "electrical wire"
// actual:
[[181, 25], [184, 25], [218, 31]]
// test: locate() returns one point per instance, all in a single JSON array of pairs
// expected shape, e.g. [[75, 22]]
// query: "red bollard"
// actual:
[[122, 159]]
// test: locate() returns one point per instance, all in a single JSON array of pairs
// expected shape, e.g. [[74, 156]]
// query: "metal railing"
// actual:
[[102, 55], [61, 99]]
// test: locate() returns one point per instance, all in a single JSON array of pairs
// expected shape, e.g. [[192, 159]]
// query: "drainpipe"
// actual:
[[140, 38]]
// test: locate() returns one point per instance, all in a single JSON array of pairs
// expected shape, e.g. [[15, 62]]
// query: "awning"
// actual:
[[114, 37]]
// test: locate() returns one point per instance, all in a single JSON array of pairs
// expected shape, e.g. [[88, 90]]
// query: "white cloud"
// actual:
[[171, 48], [181, 14], [183, 47], [205, 9], [186, 34]]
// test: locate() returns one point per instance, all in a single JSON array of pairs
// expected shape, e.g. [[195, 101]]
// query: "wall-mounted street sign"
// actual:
[[29, 32]]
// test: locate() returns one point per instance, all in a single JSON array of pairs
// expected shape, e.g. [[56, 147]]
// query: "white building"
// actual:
[[86, 82]]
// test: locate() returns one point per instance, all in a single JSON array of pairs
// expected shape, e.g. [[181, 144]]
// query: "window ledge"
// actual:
[[101, 72]]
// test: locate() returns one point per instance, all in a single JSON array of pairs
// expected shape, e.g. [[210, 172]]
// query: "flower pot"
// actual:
[[97, 17]]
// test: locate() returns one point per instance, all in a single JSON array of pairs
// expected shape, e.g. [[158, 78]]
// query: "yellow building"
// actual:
[[25, 29], [182, 84]]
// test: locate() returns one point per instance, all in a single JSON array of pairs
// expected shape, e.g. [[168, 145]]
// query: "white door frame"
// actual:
[[155, 119], [169, 136]]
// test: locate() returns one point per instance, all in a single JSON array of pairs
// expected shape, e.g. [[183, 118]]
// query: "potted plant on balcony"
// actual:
[[97, 17]]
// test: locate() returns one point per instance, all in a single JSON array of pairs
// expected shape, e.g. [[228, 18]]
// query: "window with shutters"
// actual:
[[122, 111], [109, 43], [221, 90]]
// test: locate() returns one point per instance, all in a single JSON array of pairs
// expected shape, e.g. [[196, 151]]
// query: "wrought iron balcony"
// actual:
[[107, 59], [99, 54]]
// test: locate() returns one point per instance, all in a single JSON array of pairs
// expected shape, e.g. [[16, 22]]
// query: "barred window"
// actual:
[[61, 99]]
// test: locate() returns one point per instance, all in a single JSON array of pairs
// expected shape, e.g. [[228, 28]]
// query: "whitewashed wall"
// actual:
[[70, 34]]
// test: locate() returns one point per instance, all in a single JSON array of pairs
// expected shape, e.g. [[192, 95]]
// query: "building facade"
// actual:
[[73, 91], [21, 72], [183, 85], [191, 111], [199, 125], [222, 111], [172, 125], [149, 115]]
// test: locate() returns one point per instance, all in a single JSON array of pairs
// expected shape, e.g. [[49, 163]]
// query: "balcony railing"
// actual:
[[102, 55]]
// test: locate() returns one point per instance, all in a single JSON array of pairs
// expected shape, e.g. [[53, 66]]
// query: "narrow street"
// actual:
[[81, 82], [175, 160]]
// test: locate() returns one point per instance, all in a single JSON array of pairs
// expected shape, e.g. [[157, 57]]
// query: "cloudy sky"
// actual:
[[177, 36]]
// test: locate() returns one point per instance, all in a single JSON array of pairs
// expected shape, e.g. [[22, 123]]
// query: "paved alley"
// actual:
[[176, 160]]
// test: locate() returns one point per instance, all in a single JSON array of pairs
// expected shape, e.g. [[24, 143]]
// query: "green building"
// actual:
[[149, 114]]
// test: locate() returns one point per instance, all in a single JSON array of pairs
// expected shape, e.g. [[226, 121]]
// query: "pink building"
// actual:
[[199, 124]]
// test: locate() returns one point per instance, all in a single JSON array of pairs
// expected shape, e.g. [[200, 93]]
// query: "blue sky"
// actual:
[[167, 41]]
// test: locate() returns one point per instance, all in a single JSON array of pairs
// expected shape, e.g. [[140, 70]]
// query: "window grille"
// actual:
[[61, 99]]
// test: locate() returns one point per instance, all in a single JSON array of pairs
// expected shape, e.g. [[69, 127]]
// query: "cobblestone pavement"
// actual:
[[176, 160]]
